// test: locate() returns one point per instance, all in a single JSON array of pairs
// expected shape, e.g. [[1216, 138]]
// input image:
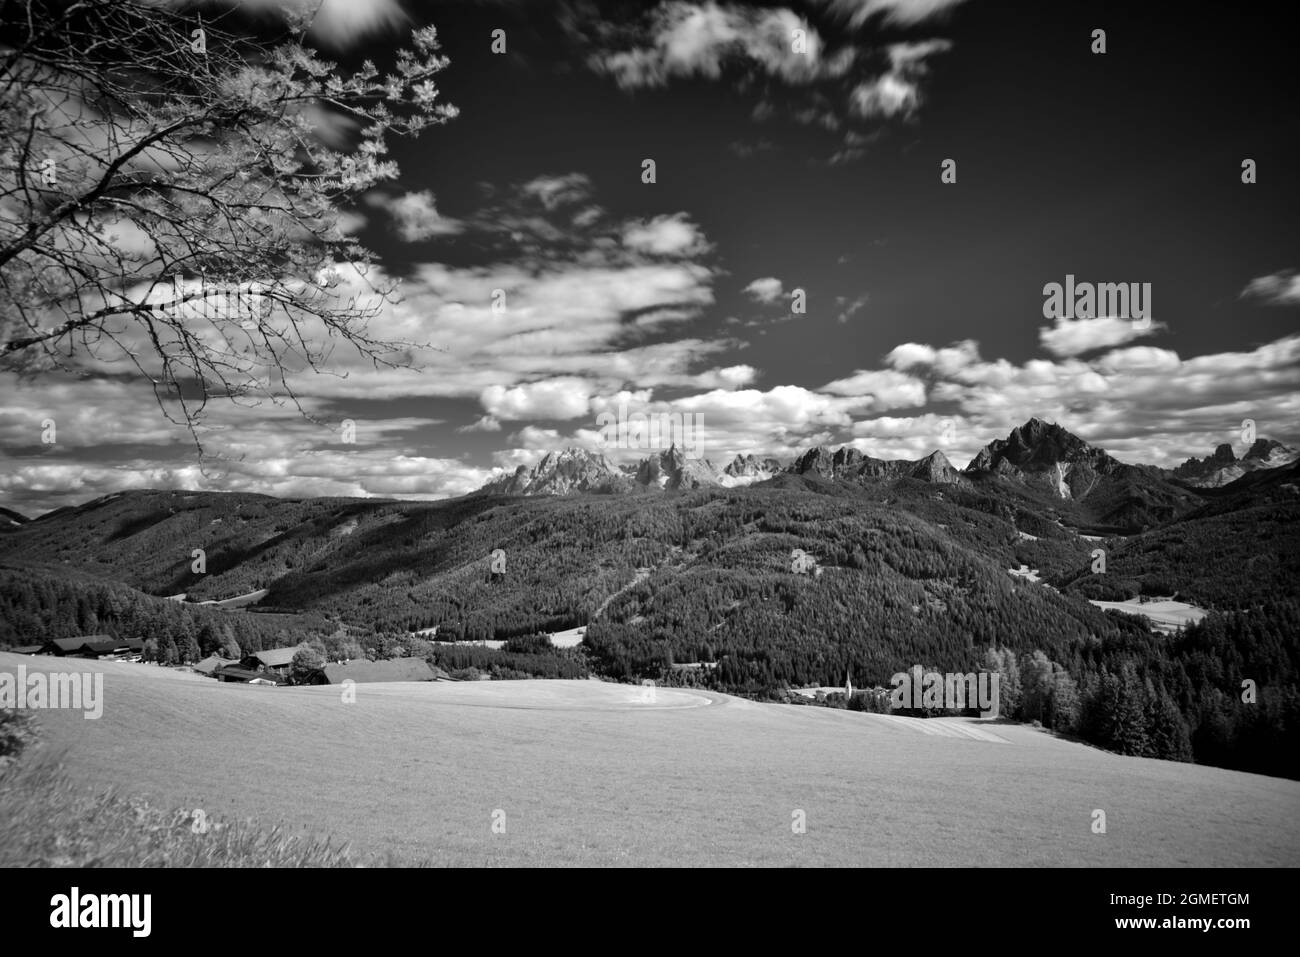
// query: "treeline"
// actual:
[[1235, 679], [1224, 692], [37, 606], [470, 661]]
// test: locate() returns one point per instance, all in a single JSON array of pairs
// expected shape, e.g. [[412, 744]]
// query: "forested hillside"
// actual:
[[41, 603]]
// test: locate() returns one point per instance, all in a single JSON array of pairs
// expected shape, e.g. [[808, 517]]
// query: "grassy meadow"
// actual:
[[591, 773]]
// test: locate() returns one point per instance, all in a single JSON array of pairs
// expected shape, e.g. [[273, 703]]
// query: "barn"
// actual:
[[248, 676], [101, 647], [211, 663], [275, 660]]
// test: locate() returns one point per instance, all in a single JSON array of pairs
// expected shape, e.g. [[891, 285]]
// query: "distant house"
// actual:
[[211, 663], [276, 660], [394, 669], [100, 647], [114, 649], [248, 676], [128, 649], [25, 649], [70, 647]]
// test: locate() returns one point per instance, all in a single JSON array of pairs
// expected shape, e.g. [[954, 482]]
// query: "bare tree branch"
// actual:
[[141, 170]]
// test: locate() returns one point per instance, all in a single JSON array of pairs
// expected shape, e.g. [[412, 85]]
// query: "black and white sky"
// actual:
[[777, 171]]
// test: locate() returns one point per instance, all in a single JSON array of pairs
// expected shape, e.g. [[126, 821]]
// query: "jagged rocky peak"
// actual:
[[747, 469], [1223, 466], [1270, 453], [817, 459], [568, 470], [1044, 454], [571, 457], [1034, 446], [672, 468], [658, 463], [935, 467], [847, 457], [845, 461], [852, 464]]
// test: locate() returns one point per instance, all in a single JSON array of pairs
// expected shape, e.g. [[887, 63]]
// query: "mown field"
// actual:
[[589, 773]]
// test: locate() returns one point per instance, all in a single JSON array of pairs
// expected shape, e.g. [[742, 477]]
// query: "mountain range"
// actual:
[[1039, 497], [1039, 458], [578, 470]]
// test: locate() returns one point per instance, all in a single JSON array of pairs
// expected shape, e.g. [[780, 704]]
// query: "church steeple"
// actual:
[[848, 685]]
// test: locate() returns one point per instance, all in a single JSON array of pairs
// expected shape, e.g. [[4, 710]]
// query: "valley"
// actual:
[[915, 566]]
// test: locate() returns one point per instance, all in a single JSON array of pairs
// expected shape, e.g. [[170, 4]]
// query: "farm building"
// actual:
[[277, 660], [70, 647], [211, 663], [102, 647], [394, 669], [249, 676], [25, 649]]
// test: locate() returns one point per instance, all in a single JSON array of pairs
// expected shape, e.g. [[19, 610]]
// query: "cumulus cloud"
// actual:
[[668, 235], [1141, 403], [685, 39], [896, 92], [946, 361], [556, 191], [273, 450], [913, 437], [593, 307], [767, 289], [1072, 337], [414, 216], [887, 388], [484, 423], [901, 12], [1139, 359], [849, 308], [794, 70], [733, 377], [565, 397], [1279, 289]]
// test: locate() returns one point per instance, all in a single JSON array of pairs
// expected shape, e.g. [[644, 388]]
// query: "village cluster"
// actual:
[[268, 668]]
